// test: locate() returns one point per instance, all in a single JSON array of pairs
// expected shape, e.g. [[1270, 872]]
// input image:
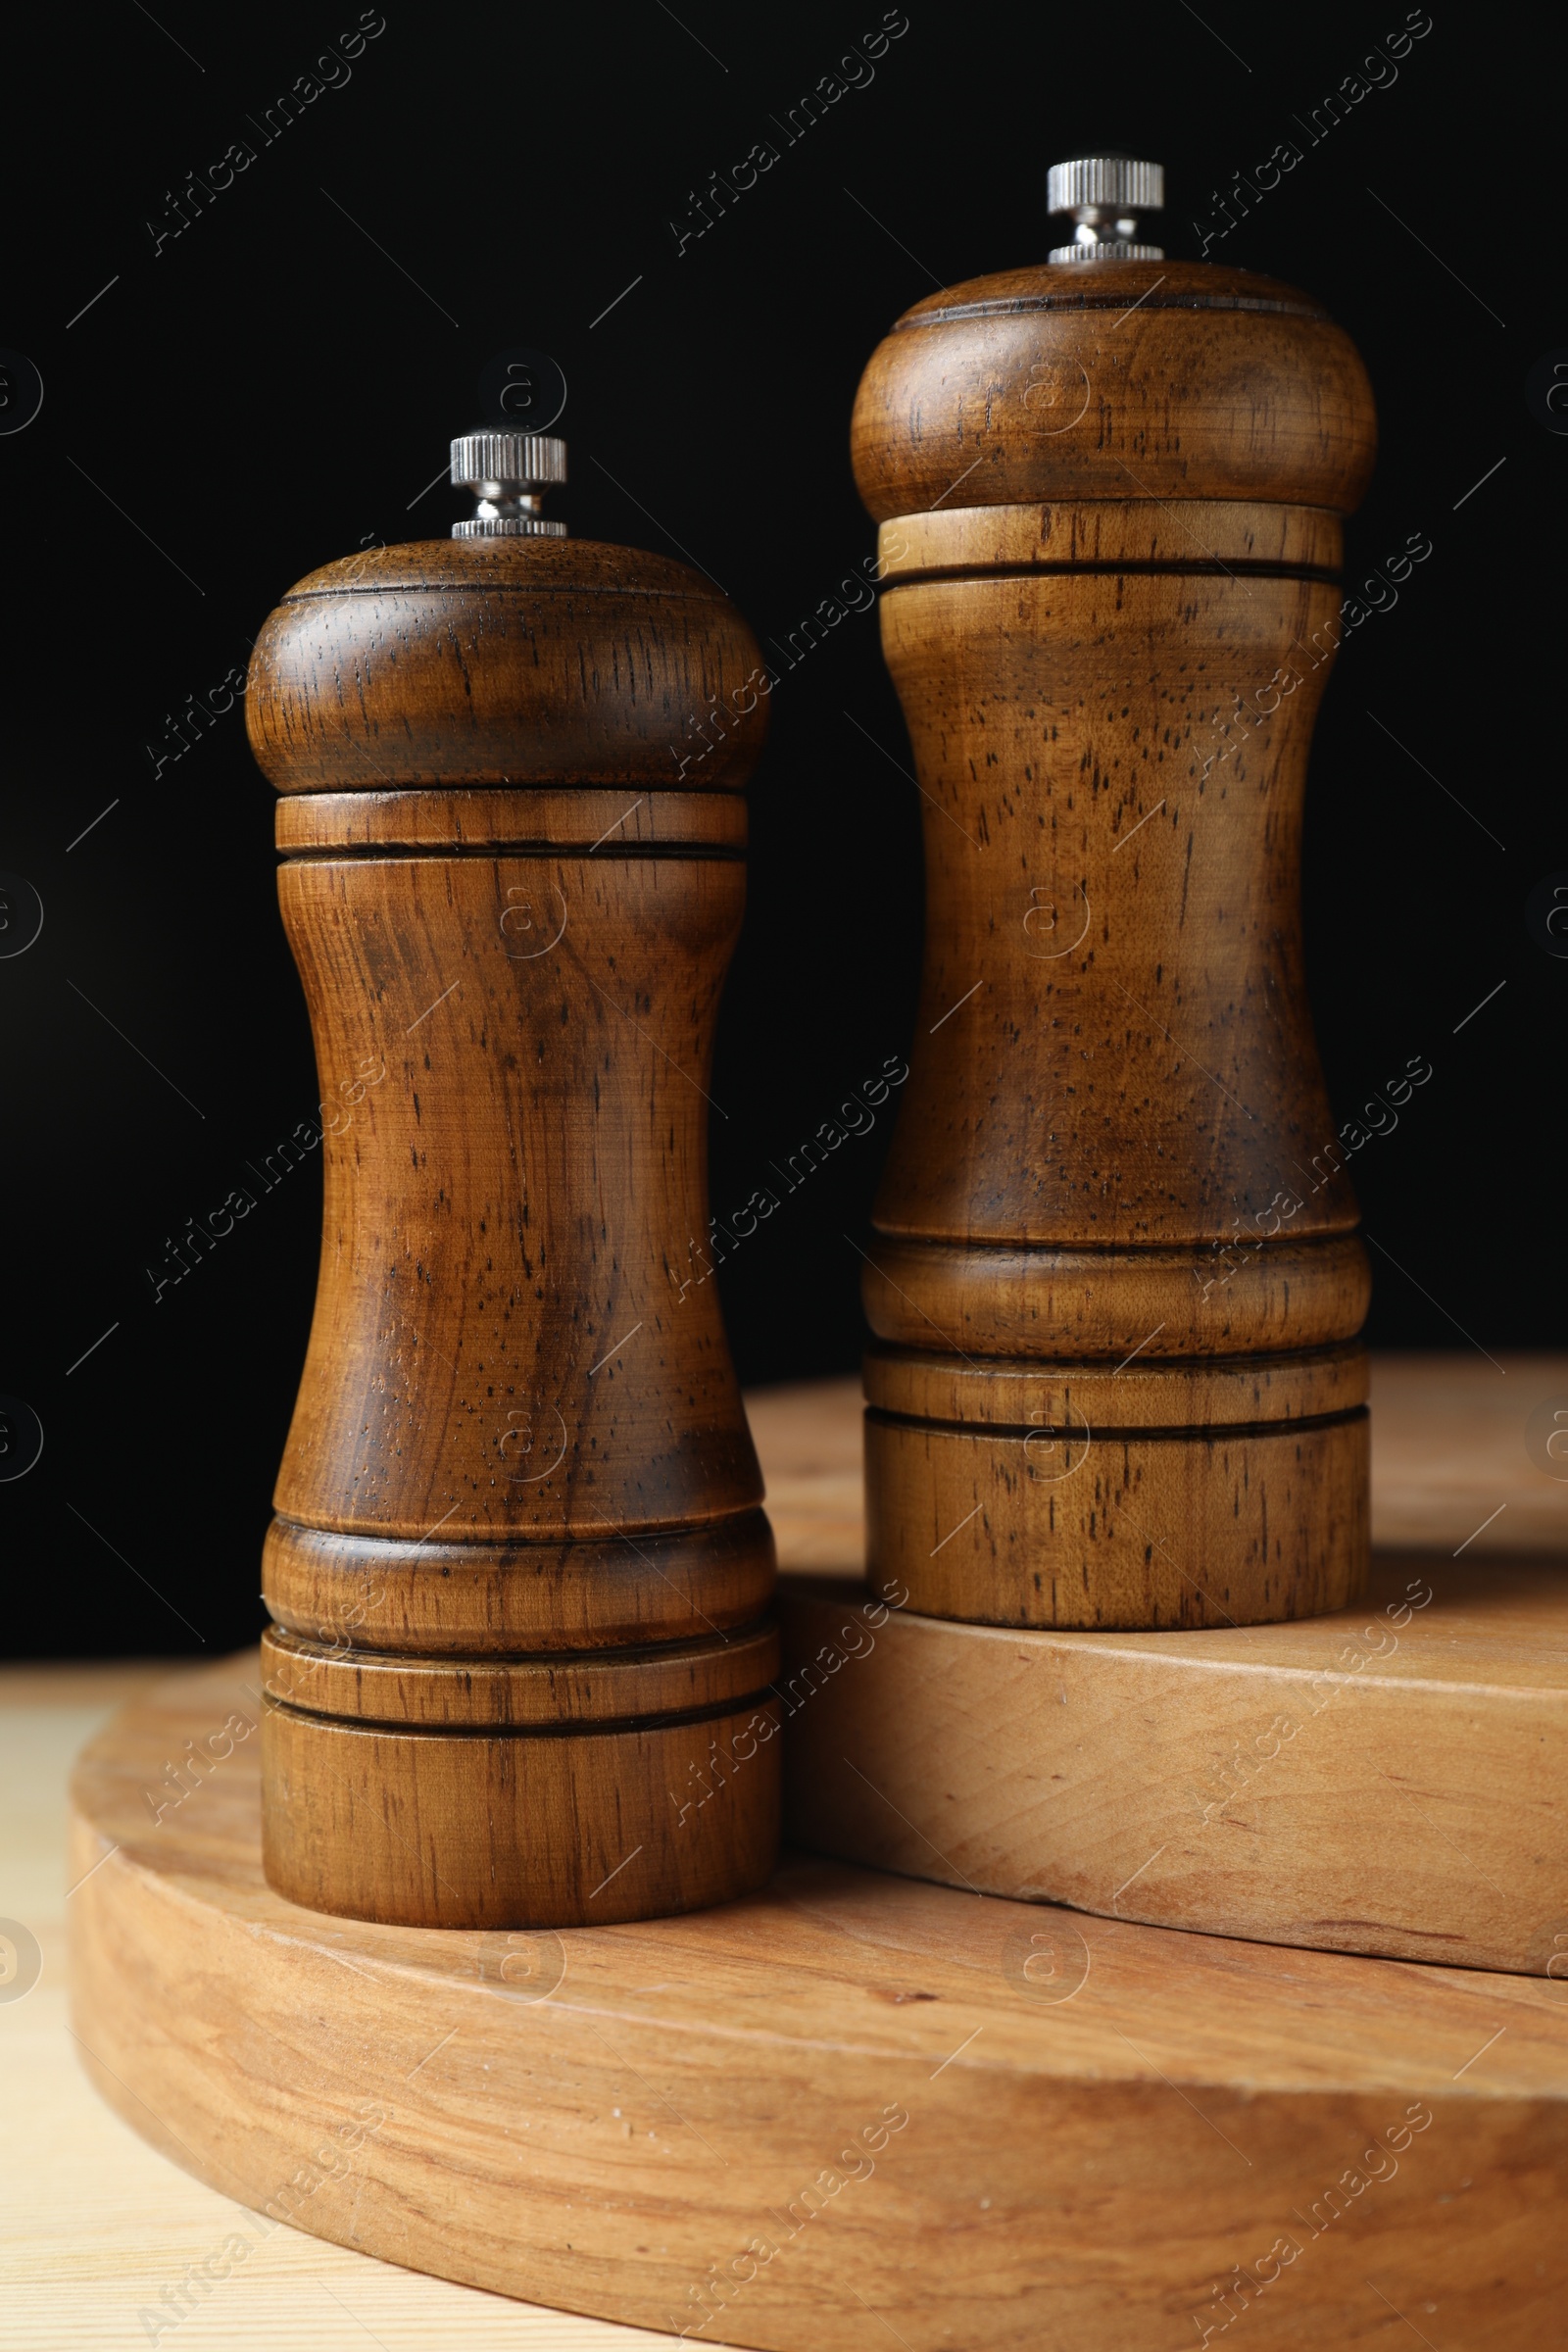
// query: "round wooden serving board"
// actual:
[[850, 2109]]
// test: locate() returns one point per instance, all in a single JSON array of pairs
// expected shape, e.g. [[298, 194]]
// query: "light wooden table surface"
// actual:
[[94, 2224]]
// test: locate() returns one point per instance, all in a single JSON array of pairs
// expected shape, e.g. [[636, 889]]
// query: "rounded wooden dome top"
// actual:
[[489, 662], [1113, 380]]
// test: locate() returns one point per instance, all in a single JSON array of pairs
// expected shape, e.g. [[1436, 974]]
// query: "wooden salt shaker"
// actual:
[[1115, 1280], [518, 1574]]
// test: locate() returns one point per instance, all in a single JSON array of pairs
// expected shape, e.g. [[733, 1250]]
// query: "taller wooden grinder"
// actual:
[[1115, 1280]]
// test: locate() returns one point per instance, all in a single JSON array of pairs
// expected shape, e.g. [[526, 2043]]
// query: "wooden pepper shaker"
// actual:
[[518, 1573], [1115, 1278]]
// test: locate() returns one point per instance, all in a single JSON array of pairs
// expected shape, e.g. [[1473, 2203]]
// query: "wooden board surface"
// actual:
[[1384, 1780], [1451, 1450], [97, 2223], [852, 2105]]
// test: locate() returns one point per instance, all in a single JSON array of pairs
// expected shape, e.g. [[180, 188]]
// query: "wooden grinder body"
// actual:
[[518, 1574], [1116, 1282]]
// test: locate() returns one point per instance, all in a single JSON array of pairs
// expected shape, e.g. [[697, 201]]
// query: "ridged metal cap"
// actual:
[[1116, 181], [1105, 193], [507, 471]]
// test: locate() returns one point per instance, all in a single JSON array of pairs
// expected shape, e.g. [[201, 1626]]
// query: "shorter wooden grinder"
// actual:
[[518, 1571], [1115, 1275]]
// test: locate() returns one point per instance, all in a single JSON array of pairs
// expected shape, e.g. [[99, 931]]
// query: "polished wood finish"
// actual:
[[1216, 1392], [1133, 1495], [1173, 1527], [600, 1686], [521, 1829], [1298, 1295], [852, 2104], [1448, 1457], [499, 1344], [1187, 534], [1110, 497], [512, 889], [107, 2245], [1118, 381], [503, 662], [588, 818], [459, 1599], [506, 1830]]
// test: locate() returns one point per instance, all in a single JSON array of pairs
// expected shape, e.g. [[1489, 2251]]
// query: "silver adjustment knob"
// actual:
[[1104, 195], [507, 473]]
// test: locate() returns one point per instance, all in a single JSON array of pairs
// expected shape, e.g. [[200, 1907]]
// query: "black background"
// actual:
[[273, 388]]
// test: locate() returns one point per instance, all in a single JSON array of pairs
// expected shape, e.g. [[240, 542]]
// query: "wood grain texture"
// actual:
[[1093, 1493], [850, 2100], [516, 1792], [1448, 1457], [573, 816], [1384, 1780], [500, 1335], [1213, 1392], [1189, 534], [461, 1599], [1110, 499], [1060, 1307], [517, 1435], [599, 1686], [1171, 1527], [486, 661], [1113, 380], [1126, 1009], [98, 2224], [100, 2228], [557, 1826]]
